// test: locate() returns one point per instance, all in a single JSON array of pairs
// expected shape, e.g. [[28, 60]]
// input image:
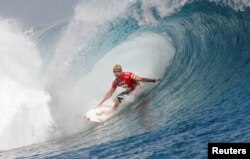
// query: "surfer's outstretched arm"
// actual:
[[142, 79], [107, 96]]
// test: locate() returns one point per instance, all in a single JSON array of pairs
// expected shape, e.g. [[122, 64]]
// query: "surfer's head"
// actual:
[[117, 69]]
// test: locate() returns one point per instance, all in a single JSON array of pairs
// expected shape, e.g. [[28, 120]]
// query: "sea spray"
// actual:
[[24, 117]]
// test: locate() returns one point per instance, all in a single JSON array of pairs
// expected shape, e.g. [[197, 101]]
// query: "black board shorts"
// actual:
[[122, 95]]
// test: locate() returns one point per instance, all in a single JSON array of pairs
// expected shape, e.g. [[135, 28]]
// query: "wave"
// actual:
[[199, 47]]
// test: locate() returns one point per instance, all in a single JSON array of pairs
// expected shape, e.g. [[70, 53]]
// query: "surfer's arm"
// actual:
[[142, 79], [107, 96]]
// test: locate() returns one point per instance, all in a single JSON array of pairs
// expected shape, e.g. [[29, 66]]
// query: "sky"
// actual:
[[37, 13]]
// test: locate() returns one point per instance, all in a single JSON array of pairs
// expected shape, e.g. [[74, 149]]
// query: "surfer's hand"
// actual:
[[159, 79]]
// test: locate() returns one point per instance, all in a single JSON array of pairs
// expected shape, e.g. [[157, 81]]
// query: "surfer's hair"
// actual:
[[117, 67]]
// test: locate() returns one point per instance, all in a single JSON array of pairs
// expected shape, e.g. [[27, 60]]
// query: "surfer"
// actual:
[[127, 80]]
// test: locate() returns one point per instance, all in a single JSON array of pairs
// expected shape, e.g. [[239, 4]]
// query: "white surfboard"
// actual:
[[99, 114]]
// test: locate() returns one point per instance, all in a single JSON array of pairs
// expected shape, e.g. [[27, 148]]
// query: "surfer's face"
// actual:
[[117, 73]]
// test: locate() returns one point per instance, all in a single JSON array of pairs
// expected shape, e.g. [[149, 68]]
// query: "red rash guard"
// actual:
[[126, 80]]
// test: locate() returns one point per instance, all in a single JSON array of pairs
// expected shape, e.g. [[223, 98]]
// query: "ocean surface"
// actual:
[[51, 76]]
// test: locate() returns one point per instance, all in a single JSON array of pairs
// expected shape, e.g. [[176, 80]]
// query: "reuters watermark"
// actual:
[[228, 150]]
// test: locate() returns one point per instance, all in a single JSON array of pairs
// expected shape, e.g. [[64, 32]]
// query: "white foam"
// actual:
[[24, 117], [240, 5], [163, 8], [90, 20]]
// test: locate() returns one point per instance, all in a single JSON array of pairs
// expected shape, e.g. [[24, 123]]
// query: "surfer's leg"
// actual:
[[116, 103], [118, 99]]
